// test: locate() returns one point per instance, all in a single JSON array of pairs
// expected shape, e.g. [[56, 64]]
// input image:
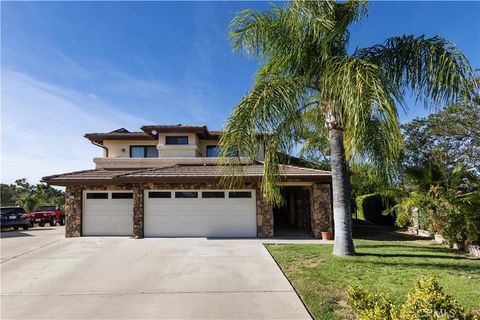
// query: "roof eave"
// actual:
[[176, 179]]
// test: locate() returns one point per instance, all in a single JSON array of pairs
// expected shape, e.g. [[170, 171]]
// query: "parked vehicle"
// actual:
[[14, 217], [47, 214]]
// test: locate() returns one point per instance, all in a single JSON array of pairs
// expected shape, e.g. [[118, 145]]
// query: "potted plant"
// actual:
[[326, 234]]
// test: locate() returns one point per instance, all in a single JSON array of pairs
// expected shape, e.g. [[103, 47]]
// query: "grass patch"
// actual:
[[321, 279]]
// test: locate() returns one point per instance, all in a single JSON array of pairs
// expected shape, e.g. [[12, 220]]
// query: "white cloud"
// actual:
[[42, 127]]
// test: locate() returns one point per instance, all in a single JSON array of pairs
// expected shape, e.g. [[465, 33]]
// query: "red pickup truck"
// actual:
[[47, 214]]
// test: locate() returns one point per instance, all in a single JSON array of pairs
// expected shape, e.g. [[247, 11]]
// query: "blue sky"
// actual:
[[74, 67]]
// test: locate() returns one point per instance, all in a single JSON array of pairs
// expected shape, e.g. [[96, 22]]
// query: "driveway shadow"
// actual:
[[14, 234], [21, 233]]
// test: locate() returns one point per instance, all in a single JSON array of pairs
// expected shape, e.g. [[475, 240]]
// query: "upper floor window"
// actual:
[[143, 152], [176, 140], [212, 151]]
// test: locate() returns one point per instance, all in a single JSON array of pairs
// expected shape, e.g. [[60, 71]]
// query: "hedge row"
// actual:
[[370, 207]]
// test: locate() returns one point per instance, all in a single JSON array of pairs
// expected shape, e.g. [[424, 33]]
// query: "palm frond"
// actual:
[[256, 33], [273, 108], [364, 103], [434, 68], [297, 39]]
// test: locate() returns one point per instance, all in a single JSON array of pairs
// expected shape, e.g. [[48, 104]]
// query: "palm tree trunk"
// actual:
[[341, 196]]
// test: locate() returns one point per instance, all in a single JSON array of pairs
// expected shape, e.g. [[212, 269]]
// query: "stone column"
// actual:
[[321, 209], [73, 211], [138, 212], [264, 217]]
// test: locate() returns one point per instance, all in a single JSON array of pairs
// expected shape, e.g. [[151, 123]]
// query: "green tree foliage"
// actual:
[[450, 139], [426, 301], [366, 179], [452, 135], [309, 81], [441, 171], [28, 196]]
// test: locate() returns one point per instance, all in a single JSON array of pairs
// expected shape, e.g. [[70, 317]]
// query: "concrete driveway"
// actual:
[[47, 276]]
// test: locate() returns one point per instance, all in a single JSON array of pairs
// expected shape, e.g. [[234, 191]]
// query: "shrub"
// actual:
[[371, 207], [426, 301], [370, 306], [403, 220], [455, 217], [458, 219]]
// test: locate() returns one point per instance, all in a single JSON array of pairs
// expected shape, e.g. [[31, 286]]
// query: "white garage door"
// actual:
[[108, 213], [200, 213]]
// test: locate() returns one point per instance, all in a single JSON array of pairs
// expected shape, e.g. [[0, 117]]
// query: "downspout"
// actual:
[[101, 146]]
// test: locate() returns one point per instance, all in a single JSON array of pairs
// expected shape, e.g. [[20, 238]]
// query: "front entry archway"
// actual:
[[292, 219]]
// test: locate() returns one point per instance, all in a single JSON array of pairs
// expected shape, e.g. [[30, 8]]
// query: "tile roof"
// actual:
[[118, 135], [255, 170], [92, 174], [202, 131], [171, 126], [181, 173], [146, 133]]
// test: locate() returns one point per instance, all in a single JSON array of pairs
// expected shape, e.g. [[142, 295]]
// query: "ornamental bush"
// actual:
[[367, 305], [427, 301]]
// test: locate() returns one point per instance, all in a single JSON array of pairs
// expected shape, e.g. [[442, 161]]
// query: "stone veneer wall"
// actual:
[[74, 194], [302, 208], [138, 211], [264, 216], [321, 209], [73, 211]]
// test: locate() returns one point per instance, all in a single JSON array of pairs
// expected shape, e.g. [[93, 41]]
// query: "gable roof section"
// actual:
[[182, 173], [120, 130]]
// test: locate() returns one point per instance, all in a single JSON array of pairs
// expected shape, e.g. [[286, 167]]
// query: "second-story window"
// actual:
[[143, 152], [212, 151], [176, 140]]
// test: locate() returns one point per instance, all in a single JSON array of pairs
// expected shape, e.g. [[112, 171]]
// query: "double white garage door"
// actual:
[[173, 213]]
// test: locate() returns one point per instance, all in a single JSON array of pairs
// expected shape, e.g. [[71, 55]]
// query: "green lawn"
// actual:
[[321, 279]]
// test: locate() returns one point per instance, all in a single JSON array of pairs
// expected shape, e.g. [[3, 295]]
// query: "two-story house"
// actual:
[[164, 181]]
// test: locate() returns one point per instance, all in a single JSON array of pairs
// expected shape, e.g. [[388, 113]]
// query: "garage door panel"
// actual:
[[198, 211], [173, 206], [189, 229], [203, 217], [108, 217]]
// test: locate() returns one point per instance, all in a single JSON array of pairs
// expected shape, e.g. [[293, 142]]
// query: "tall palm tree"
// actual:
[[352, 97]]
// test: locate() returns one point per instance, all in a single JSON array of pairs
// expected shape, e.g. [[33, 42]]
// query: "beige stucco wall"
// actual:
[[121, 148], [192, 149], [196, 147], [204, 144]]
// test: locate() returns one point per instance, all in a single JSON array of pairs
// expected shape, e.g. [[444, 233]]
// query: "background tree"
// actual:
[[442, 173], [28, 196], [354, 95]]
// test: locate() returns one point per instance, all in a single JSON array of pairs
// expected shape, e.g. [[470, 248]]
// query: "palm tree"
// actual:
[[352, 98]]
